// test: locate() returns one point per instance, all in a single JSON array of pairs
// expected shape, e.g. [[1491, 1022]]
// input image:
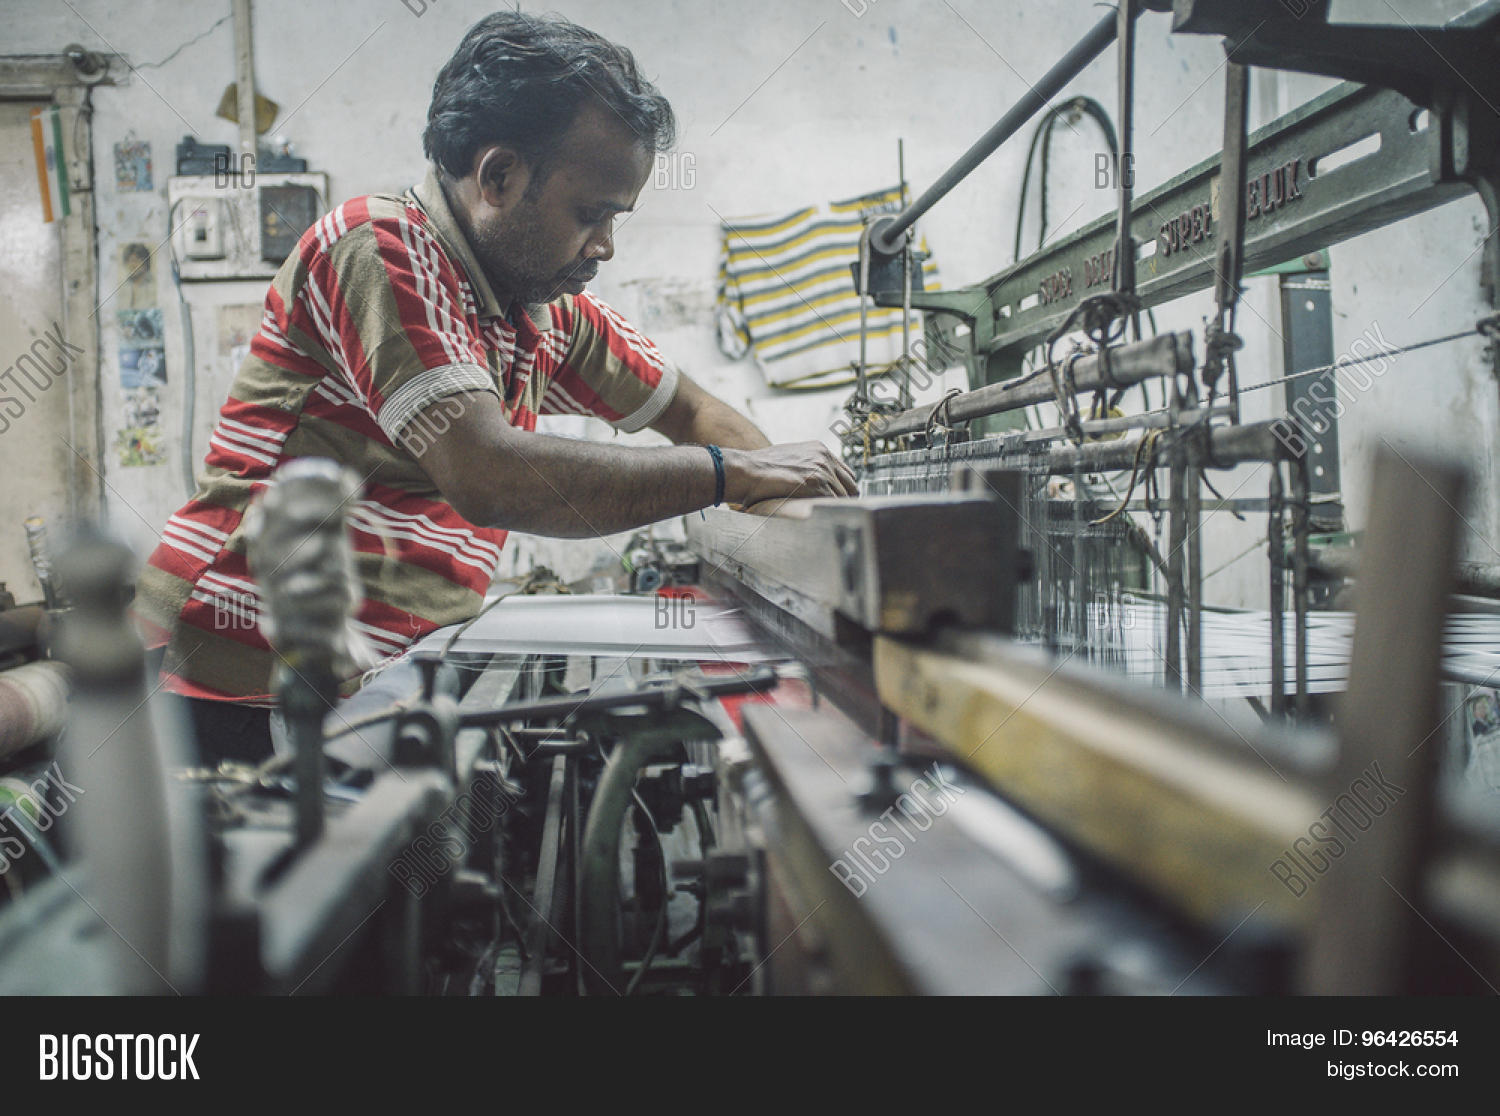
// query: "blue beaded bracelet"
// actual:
[[718, 455]]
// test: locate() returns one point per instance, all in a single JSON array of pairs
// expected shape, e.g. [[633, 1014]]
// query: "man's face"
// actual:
[[546, 237]]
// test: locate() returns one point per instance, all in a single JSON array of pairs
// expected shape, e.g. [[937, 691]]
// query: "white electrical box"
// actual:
[[203, 229], [240, 227]]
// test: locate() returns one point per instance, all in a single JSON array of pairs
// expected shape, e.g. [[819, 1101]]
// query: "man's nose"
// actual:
[[602, 249]]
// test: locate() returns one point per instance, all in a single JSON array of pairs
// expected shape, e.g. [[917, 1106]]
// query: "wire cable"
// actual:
[[1398, 350]]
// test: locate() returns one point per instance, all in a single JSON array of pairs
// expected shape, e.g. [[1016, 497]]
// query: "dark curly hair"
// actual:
[[520, 80]]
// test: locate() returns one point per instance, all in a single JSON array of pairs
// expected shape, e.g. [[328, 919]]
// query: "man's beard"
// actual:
[[511, 264], [531, 290]]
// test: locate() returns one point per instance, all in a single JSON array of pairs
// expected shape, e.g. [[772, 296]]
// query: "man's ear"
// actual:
[[502, 176]]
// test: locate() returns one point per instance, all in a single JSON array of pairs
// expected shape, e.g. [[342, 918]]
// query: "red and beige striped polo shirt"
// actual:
[[381, 312]]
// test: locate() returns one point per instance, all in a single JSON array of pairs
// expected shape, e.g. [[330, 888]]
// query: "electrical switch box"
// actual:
[[203, 229], [232, 225], [286, 212]]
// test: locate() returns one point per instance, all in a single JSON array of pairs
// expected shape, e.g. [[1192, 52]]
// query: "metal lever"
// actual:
[[1220, 342]]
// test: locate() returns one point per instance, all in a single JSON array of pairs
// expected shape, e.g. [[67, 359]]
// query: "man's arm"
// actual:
[[497, 476], [695, 417]]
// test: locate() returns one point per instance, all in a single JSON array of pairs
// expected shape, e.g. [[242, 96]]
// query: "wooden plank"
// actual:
[[1173, 801]]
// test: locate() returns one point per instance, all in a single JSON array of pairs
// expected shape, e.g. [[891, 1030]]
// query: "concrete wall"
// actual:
[[781, 103]]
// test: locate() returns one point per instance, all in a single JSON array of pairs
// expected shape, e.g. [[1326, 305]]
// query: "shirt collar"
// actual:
[[433, 202]]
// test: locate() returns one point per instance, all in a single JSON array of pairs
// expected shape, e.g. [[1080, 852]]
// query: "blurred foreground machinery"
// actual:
[[860, 782]]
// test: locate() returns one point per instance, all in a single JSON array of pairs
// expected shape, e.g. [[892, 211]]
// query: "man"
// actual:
[[417, 338]]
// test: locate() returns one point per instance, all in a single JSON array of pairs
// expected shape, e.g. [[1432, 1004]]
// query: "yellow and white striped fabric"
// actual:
[[786, 293]]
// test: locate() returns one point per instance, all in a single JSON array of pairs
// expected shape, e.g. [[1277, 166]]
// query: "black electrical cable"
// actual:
[[1041, 138]]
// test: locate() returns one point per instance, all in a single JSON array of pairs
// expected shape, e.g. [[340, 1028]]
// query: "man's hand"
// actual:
[[754, 470], [497, 476], [793, 471]]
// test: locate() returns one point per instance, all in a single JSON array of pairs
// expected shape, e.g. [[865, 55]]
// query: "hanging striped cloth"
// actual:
[[51, 170], [786, 293]]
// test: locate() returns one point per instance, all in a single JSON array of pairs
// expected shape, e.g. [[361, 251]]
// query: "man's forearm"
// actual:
[[495, 475], [573, 489], [697, 417], [717, 423]]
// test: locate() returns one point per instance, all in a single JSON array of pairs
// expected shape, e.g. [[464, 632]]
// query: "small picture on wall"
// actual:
[[140, 441], [137, 277], [143, 359], [1484, 714], [140, 328], [132, 165], [145, 367], [237, 328]]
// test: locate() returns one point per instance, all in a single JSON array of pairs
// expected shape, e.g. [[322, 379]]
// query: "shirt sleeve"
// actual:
[[392, 317], [609, 369]]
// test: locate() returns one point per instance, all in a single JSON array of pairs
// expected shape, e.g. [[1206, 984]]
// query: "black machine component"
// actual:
[[655, 563], [201, 158], [286, 212], [1448, 70], [1307, 321], [1291, 209]]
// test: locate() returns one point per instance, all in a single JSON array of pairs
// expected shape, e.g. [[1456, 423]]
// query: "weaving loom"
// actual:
[[1082, 567], [1065, 324]]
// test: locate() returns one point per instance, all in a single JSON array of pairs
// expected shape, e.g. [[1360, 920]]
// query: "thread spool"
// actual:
[[33, 704], [41, 559], [18, 793]]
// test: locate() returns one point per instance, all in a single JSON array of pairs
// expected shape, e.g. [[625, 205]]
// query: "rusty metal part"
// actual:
[[1166, 355], [1476, 578], [887, 564], [20, 629]]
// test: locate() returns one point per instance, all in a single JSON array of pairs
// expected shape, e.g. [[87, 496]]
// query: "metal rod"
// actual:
[[539, 932], [1474, 578], [1277, 547], [888, 234], [1167, 355], [1300, 592], [906, 266], [1194, 539], [244, 78], [860, 370], [1231, 248], [1147, 420], [306, 697], [1225, 446], [1175, 539], [1125, 170], [1082, 586]]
